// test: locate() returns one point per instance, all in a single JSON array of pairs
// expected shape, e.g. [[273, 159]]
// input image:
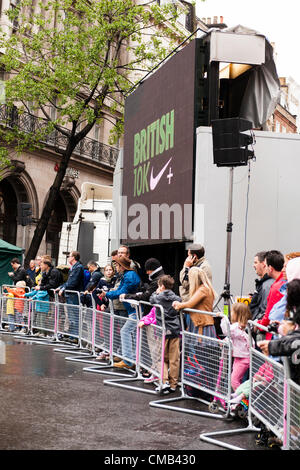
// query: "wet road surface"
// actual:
[[50, 403]]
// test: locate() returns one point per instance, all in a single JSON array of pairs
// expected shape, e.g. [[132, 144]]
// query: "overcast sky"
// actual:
[[276, 19]]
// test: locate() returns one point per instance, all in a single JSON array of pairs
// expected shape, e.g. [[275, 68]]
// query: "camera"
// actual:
[[273, 327]]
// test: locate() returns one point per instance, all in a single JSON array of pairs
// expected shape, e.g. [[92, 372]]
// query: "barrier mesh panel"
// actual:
[[206, 364], [294, 427], [267, 393]]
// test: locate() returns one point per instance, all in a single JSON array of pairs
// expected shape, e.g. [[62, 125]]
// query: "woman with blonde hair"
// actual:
[[201, 297]]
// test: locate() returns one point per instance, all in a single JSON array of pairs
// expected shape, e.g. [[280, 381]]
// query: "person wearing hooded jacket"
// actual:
[[155, 271], [165, 297], [41, 309], [129, 284]]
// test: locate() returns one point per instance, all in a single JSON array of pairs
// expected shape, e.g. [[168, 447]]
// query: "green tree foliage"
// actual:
[[78, 57]]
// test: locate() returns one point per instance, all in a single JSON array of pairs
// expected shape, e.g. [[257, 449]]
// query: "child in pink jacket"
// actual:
[[150, 319], [240, 315]]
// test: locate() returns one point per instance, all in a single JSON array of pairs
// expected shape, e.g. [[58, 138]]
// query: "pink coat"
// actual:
[[239, 338], [150, 319]]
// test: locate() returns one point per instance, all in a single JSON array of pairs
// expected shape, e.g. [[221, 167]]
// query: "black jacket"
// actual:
[[19, 275], [147, 289], [94, 279], [258, 302], [172, 319], [51, 280], [288, 345], [103, 284]]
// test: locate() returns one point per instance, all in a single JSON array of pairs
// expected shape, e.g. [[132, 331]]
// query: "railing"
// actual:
[[205, 368], [206, 362], [28, 123], [273, 401]]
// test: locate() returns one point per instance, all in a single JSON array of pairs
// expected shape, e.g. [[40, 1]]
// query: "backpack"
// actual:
[[64, 272]]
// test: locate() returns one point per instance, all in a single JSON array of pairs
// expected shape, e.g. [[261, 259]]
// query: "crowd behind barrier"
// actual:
[[145, 337], [273, 399]]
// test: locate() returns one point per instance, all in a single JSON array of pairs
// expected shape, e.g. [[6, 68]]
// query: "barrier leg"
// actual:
[[127, 382]]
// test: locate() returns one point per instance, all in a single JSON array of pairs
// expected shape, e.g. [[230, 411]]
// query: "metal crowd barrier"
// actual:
[[42, 320], [205, 368], [268, 397], [149, 351], [293, 417], [205, 362], [15, 311], [108, 337], [76, 322], [43, 317], [120, 336]]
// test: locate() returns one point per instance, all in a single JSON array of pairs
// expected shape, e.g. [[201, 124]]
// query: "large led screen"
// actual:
[[159, 147]]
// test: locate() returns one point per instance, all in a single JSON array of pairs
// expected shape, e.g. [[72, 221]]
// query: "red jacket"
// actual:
[[274, 296]]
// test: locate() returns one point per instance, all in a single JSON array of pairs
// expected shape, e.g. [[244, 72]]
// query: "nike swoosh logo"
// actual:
[[154, 181]]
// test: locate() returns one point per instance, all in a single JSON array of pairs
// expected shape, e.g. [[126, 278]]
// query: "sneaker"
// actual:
[[123, 365], [274, 442], [164, 389], [237, 399], [117, 359], [103, 356], [151, 379], [261, 438], [173, 389], [145, 373], [72, 340]]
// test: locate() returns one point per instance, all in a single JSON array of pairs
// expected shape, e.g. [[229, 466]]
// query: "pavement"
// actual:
[[49, 402]]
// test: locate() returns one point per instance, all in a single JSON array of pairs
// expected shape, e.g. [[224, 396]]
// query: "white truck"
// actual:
[[90, 231]]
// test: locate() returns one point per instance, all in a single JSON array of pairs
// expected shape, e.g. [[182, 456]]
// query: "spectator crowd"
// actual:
[[274, 305]]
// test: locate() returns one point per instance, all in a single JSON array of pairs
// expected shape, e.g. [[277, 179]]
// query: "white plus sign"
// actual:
[[170, 175]]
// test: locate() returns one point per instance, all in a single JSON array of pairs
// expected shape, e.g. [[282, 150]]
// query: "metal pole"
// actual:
[[228, 248]]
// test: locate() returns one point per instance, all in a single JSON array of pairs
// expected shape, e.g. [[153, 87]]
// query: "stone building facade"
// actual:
[[33, 172], [30, 178]]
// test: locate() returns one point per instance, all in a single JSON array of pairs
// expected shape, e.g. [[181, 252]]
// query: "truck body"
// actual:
[[90, 231]]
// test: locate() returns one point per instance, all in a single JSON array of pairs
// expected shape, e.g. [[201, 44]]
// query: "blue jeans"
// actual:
[[73, 314], [11, 325], [128, 338]]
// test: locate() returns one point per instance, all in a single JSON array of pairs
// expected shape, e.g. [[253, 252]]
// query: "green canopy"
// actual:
[[7, 252]]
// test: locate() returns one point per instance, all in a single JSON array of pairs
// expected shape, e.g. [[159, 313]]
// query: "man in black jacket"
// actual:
[[262, 286], [96, 275], [71, 290], [154, 270], [19, 273], [51, 278]]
